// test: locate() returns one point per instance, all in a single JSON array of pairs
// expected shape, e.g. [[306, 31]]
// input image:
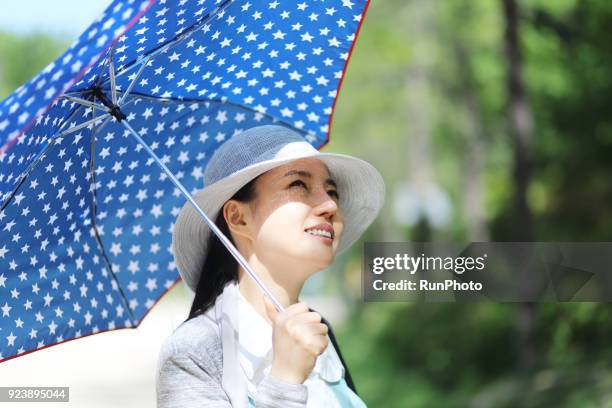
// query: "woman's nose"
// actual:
[[326, 205]]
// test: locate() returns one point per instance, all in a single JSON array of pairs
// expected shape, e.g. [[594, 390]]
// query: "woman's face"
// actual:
[[291, 199]]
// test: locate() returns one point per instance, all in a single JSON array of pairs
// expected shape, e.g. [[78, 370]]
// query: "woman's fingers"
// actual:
[[299, 336], [321, 328], [314, 338], [270, 308], [296, 308], [307, 317], [305, 326]]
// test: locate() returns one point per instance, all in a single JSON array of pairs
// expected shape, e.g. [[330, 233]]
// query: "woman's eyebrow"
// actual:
[[307, 174]]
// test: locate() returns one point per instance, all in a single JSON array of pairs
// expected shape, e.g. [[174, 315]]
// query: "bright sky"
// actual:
[[65, 18]]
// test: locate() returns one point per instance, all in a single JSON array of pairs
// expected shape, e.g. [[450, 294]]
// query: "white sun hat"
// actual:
[[252, 152]]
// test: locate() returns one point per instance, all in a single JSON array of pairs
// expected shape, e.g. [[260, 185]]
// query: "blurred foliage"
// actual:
[[23, 56], [465, 355]]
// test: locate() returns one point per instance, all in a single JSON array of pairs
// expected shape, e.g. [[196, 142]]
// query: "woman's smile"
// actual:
[[317, 235], [322, 231]]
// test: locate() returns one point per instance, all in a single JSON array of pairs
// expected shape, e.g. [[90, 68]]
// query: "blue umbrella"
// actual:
[[100, 150]]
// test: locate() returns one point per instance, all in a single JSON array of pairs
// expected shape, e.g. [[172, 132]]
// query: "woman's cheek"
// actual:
[[274, 234]]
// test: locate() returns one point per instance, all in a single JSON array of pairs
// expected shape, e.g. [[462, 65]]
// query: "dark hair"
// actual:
[[220, 266]]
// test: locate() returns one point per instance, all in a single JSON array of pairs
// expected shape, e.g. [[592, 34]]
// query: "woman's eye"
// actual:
[[300, 182], [297, 182]]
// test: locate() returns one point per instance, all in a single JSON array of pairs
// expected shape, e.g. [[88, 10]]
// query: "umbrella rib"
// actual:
[[210, 223], [181, 37], [127, 92], [82, 125], [27, 172], [136, 95], [35, 160], [67, 119], [95, 226], [89, 122], [111, 71], [51, 143], [85, 102]]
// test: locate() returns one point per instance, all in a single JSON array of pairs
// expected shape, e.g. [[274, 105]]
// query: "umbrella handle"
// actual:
[[210, 223]]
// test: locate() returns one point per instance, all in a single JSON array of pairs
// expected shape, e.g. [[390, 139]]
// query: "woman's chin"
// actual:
[[322, 257]]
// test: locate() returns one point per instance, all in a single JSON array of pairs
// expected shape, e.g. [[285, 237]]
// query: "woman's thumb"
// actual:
[[270, 309]]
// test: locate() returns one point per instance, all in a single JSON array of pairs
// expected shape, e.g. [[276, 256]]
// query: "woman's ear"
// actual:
[[237, 217]]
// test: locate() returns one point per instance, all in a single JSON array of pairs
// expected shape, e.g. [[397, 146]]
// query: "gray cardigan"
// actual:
[[189, 371]]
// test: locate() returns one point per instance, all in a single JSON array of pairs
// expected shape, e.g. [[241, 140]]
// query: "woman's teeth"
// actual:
[[319, 232]]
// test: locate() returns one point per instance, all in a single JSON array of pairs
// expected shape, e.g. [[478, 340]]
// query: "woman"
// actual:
[[289, 209]]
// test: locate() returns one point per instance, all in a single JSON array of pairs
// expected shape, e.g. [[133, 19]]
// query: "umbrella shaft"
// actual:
[[211, 224]]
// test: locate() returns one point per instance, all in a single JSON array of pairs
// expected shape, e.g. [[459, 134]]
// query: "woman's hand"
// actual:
[[298, 338]]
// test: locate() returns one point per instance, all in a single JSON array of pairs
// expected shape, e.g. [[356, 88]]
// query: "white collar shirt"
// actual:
[[255, 357]]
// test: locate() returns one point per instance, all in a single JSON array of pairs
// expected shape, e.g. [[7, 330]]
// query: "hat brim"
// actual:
[[360, 185]]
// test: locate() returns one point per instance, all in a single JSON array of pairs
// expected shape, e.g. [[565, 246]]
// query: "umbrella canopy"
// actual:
[[100, 150]]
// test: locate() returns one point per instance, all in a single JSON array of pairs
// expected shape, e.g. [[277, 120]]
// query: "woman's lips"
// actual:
[[326, 240]]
